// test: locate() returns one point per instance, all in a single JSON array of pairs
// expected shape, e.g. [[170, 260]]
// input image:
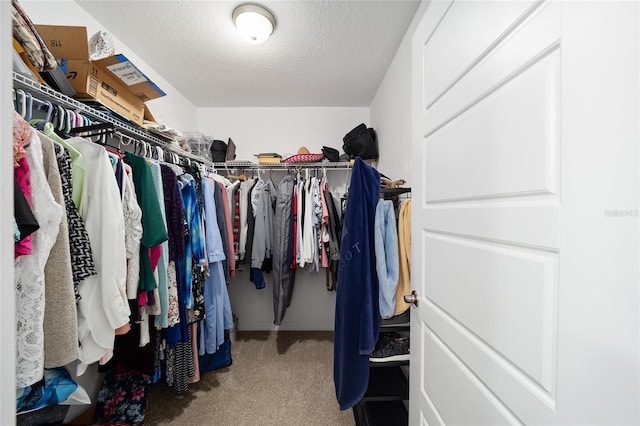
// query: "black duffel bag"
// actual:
[[361, 142], [218, 151]]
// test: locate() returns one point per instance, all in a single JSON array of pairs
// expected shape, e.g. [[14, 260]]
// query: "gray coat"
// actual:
[[283, 275], [262, 198]]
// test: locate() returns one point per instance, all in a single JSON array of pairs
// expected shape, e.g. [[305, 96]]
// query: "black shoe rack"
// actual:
[[386, 401]]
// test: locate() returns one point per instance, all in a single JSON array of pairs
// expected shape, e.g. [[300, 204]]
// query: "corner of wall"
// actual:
[[390, 110], [7, 308]]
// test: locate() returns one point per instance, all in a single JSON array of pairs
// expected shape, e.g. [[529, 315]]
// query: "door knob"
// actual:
[[411, 298]]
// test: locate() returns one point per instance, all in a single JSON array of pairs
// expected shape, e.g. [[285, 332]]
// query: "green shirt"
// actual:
[[77, 167], [154, 231]]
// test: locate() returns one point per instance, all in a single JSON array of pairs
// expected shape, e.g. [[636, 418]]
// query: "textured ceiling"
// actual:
[[322, 53]]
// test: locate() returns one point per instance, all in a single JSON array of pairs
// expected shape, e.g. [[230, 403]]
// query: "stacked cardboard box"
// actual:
[[114, 82]]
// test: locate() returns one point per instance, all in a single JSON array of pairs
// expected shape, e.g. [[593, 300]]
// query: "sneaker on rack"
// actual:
[[402, 319], [390, 347]]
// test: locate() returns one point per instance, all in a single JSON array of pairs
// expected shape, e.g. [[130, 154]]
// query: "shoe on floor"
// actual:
[[390, 347]]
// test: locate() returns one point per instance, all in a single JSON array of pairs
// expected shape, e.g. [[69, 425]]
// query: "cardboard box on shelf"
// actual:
[[92, 82], [114, 82]]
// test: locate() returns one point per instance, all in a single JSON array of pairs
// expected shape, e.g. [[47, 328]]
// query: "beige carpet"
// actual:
[[277, 378]]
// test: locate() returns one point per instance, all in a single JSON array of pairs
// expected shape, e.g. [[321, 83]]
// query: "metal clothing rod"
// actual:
[[25, 83], [282, 166]]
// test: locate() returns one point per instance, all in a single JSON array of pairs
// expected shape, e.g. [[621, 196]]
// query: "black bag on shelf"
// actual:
[[231, 151], [218, 151], [361, 142], [331, 154]]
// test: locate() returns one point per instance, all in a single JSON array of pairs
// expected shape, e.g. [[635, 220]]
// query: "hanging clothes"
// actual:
[[324, 224], [216, 298], [77, 166], [60, 319], [194, 255], [357, 317], [22, 134], [161, 315], [103, 306], [176, 232], [386, 249], [251, 223], [154, 231], [245, 188], [262, 200], [30, 275], [179, 365], [232, 191], [307, 251], [24, 219], [316, 216], [229, 230], [222, 227], [236, 227], [299, 199], [23, 213], [404, 257], [335, 236], [283, 276], [82, 264], [133, 232]]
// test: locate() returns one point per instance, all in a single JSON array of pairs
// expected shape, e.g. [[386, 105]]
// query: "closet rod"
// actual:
[[22, 82], [248, 165]]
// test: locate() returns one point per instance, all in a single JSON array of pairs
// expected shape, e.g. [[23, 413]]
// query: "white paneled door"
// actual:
[[525, 213]]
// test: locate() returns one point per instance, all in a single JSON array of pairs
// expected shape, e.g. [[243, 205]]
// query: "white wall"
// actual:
[[7, 303], [391, 109], [283, 130], [174, 109]]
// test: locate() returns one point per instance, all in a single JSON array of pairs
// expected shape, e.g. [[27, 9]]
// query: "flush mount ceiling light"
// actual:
[[254, 23]]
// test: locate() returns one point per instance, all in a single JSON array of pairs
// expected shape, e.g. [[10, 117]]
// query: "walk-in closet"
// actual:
[[322, 212]]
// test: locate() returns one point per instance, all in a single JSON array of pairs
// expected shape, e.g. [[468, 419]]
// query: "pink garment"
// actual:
[[227, 217], [22, 175], [154, 256], [142, 298]]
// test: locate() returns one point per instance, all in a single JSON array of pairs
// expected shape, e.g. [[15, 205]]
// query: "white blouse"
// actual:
[[29, 272], [104, 306]]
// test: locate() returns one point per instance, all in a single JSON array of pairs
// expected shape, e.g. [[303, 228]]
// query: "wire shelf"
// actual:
[[58, 98], [283, 166], [25, 83]]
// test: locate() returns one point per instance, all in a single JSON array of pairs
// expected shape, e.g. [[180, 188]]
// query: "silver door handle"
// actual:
[[411, 298]]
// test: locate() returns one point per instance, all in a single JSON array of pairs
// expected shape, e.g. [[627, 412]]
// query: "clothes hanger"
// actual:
[[129, 139], [29, 106], [21, 102], [35, 122], [49, 107], [241, 177], [236, 177], [61, 118], [70, 121]]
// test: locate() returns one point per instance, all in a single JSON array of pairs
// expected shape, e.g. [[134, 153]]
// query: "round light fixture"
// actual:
[[254, 23]]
